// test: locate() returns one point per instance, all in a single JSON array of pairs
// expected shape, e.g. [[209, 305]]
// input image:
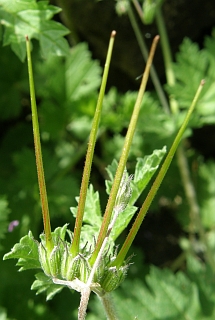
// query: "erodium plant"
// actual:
[[87, 259]]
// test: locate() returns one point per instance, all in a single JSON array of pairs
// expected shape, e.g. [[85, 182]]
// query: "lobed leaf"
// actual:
[[195, 64], [203, 276], [92, 213], [87, 73], [206, 193], [144, 170], [26, 251], [32, 18], [164, 296], [92, 217]]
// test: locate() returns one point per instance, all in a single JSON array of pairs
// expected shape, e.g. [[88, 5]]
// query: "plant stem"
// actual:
[[85, 295], [90, 151], [167, 56], [38, 155], [144, 52], [108, 306], [124, 155], [193, 204], [138, 221]]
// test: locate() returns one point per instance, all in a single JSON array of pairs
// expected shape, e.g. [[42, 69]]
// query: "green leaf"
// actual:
[[122, 221], [92, 211], [87, 73], [32, 18], [44, 283], [193, 63], [92, 217], [144, 171], [4, 212], [172, 295], [203, 276], [206, 193], [164, 296], [26, 251]]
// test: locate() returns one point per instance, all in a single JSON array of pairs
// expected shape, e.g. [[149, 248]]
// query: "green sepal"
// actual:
[[55, 260], [70, 267], [84, 269], [51, 261], [66, 257], [44, 259], [107, 276], [113, 277]]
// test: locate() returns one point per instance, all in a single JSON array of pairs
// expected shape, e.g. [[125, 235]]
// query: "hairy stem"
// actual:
[[85, 295], [109, 308], [38, 154]]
